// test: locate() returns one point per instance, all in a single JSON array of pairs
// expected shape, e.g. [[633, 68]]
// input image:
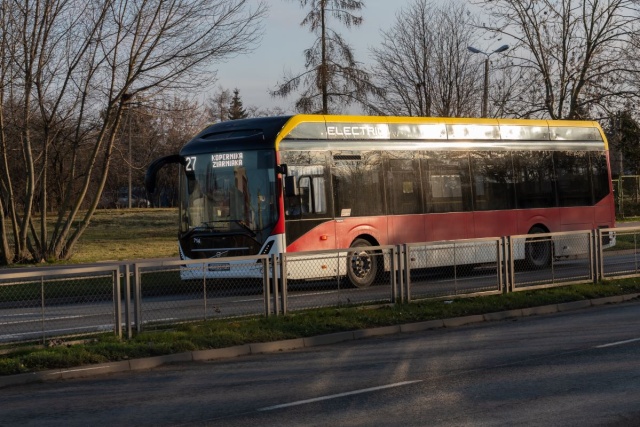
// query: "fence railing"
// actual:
[[45, 304]]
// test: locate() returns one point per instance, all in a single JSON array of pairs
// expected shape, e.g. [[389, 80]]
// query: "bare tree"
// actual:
[[423, 64], [70, 69], [333, 78], [218, 105], [150, 130], [569, 54]]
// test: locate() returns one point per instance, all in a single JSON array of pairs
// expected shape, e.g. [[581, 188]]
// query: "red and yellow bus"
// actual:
[[313, 182]]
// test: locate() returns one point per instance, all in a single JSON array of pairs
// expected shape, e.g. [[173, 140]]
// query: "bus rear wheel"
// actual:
[[362, 265], [538, 250]]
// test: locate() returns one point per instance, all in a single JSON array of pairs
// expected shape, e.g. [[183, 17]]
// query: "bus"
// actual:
[[312, 182]]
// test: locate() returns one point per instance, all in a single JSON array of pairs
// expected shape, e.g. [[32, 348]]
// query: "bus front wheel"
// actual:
[[362, 265]]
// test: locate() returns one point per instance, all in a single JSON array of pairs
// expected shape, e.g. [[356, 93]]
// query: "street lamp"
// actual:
[[485, 93]]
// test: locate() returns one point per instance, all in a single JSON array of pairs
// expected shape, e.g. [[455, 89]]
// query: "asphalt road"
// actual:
[[572, 369]]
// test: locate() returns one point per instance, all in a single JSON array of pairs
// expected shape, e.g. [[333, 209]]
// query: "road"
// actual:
[[571, 369]]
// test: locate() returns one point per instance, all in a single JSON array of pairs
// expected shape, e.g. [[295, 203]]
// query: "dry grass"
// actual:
[[118, 234]]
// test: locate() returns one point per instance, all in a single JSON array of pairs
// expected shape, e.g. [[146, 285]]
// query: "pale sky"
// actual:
[[283, 44]]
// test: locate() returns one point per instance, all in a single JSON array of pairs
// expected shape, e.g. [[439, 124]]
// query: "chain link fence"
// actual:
[[183, 291], [622, 259], [42, 305], [452, 268], [550, 259], [365, 275]]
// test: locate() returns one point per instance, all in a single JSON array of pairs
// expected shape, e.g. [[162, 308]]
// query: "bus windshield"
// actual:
[[232, 192]]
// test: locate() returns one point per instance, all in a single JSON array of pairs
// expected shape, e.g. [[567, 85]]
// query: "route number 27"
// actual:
[[191, 164]]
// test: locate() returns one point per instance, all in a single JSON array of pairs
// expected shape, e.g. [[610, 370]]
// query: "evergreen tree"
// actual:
[[236, 110], [333, 78]]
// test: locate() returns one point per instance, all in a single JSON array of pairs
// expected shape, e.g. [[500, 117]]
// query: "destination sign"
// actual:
[[226, 160]]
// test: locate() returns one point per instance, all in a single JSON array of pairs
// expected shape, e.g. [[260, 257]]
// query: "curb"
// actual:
[[298, 343]]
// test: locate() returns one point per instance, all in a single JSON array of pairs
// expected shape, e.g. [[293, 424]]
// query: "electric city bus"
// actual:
[[312, 182]]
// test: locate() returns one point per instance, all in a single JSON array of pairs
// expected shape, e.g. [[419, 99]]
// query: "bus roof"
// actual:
[[437, 128], [270, 131], [224, 136]]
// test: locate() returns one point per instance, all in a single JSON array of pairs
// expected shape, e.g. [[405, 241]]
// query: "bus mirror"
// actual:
[[290, 186], [155, 166], [282, 169]]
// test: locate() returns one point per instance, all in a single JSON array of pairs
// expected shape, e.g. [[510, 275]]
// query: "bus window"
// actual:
[[312, 195], [357, 183], [534, 179], [572, 174], [447, 182], [404, 192], [493, 186]]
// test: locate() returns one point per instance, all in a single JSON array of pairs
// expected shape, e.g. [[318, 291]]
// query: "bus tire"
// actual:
[[538, 251], [362, 266]]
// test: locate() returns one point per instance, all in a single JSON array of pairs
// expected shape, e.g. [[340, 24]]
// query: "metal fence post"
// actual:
[[276, 285], [137, 298], [511, 277], [117, 303], [42, 316], [127, 299], [593, 254], [503, 271], [599, 256], [267, 271], [407, 272], [204, 290], [393, 276], [284, 292], [400, 272]]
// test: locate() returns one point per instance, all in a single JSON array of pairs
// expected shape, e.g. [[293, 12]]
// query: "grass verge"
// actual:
[[226, 333], [119, 234]]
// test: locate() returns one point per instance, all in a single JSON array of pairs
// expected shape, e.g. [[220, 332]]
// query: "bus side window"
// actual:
[[493, 182], [311, 198], [535, 179], [447, 182], [404, 187]]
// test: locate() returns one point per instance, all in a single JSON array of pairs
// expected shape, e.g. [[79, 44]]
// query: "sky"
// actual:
[[284, 42]]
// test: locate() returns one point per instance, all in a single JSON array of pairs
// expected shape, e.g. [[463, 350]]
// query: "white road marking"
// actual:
[[335, 396], [618, 343]]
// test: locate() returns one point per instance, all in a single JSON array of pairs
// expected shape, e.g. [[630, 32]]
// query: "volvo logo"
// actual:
[[220, 254]]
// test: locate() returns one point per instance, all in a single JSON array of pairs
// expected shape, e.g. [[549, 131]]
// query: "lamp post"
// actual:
[[485, 92], [128, 105]]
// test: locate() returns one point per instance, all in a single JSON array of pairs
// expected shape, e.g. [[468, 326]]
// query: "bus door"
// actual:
[[309, 224]]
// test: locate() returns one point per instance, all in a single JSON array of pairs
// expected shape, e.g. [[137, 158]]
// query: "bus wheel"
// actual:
[[538, 250], [362, 266]]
